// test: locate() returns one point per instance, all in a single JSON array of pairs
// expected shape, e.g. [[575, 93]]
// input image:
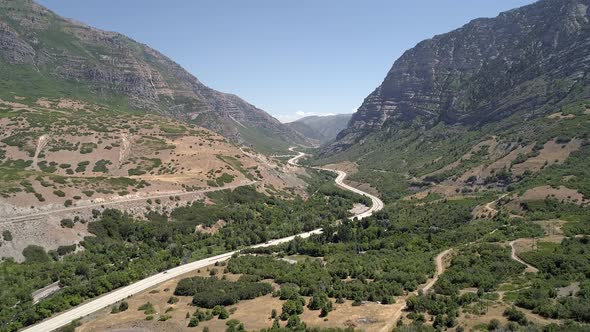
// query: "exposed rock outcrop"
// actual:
[[484, 71]]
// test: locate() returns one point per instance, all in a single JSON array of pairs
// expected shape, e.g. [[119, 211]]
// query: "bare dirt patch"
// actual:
[[505, 161], [213, 228], [552, 226], [495, 310], [560, 193], [559, 115], [568, 290], [491, 144], [358, 208], [552, 153]]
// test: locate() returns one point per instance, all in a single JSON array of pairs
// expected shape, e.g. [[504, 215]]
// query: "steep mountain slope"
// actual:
[[321, 128], [91, 119], [62, 159], [46, 55], [484, 106], [484, 71]]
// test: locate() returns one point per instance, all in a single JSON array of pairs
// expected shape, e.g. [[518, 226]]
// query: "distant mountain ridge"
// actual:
[[59, 56], [485, 71], [323, 128]]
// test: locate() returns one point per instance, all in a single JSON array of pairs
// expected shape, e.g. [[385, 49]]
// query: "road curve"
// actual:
[[113, 297], [376, 205]]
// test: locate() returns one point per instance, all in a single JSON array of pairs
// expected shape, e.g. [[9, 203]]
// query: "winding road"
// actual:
[[376, 205], [108, 299]]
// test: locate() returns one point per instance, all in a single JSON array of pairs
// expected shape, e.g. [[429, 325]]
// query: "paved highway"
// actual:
[[377, 204], [111, 298]]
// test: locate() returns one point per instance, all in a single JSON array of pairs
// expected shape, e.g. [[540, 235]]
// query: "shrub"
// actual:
[[220, 311], [210, 292], [515, 315], [67, 223], [40, 197], [59, 193], [101, 166], [123, 306], [64, 250], [6, 235], [81, 167], [35, 254], [147, 308]]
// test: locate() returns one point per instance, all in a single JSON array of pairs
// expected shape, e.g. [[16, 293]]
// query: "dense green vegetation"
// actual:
[[481, 266], [124, 249], [391, 253], [210, 292], [560, 265]]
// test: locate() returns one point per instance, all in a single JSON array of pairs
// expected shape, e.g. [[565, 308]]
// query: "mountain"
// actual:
[[47, 55], [498, 94], [321, 128], [485, 71], [91, 120]]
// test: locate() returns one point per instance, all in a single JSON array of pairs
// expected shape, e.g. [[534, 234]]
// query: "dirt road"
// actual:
[[24, 218], [529, 268], [440, 269]]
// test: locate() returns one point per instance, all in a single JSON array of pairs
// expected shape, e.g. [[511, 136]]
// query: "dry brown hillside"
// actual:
[[63, 158]]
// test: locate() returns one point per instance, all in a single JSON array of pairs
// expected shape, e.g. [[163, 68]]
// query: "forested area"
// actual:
[[481, 266], [124, 249], [561, 265], [375, 259], [209, 292], [392, 252]]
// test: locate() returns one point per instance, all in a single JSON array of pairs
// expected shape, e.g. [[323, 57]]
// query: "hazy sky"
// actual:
[[288, 57]]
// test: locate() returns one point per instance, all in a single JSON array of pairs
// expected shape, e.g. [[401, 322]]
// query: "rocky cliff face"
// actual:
[[111, 66], [484, 71]]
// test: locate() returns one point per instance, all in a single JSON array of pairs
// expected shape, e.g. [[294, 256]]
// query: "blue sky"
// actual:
[[288, 57]]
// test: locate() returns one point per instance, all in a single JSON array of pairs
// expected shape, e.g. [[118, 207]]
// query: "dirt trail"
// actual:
[[440, 269], [490, 204], [529, 268]]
